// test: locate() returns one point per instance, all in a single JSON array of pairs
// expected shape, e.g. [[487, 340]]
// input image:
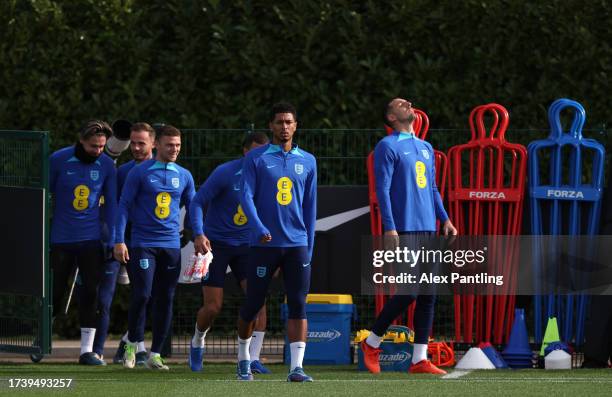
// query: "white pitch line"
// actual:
[[558, 380], [456, 374]]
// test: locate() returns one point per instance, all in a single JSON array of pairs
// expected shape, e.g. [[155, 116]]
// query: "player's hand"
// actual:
[[266, 238], [120, 252], [448, 229], [201, 244], [391, 239]]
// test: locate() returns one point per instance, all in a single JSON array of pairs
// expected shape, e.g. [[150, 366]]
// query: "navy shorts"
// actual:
[[224, 255], [263, 262]]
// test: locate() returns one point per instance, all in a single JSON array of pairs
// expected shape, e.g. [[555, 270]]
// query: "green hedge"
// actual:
[[220, 64]]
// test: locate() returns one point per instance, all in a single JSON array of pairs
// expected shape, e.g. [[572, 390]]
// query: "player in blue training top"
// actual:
[[279, 198], [79, 176], [142, 136], [152, 196], [225, 228], [409, 204]]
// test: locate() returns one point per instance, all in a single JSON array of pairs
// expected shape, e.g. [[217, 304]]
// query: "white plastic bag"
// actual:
[[192, 271]]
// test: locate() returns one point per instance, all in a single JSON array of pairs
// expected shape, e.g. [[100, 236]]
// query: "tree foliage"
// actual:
[[221, 64]]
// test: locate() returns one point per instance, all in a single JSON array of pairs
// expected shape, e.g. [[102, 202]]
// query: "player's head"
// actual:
[[167, 143], [93, 136], [142, 137], [253, 140], [283, 122], [398, 113]]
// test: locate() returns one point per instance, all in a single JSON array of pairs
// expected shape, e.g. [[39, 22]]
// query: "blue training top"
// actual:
[[219, 198], [77, 187], [122, 173], [404, 166], [152, 196], [279, 196]]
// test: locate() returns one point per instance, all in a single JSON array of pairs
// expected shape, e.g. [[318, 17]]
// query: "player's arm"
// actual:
[[196, 216], [189, 191], [110, 200], [310, 206], [383, 172], [128, 195], [187, 199], [121, 175], [247, 192]]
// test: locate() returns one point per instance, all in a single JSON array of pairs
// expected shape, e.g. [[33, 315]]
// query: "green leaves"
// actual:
[[218, 64]]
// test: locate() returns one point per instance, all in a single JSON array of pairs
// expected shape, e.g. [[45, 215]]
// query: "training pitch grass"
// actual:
[[219, 380]]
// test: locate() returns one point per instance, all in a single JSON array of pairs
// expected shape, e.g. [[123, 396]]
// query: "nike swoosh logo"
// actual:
[[170, 268], [70, 172], [305, 264], [153, 180], [270, 166], [406, 152], [109, 272], [236, 189], [330, 222]]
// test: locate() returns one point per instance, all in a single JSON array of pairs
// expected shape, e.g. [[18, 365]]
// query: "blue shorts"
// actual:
[[263, 262], [154, 274], [224, 255], [150, 267]]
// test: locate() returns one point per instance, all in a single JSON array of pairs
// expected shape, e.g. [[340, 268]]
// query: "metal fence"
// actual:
[[340, 154], [25, 319], [341, 158]]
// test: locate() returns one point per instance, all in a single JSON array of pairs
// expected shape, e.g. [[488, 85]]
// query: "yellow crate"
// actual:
[[332, 299]]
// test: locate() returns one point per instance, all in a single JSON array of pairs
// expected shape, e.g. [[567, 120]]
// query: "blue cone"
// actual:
[[518, 353], [493, 355], [556, 346]]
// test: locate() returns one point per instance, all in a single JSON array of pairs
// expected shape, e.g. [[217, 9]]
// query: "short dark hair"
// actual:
[[142, 126], [167, 130], [385, 113], [258, 137], [95, 127], [282, 107]]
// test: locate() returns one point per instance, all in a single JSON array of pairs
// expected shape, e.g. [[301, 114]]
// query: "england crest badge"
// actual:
[[299, 168], [425, 154], [144, 264], [94, 174], [175, 183]]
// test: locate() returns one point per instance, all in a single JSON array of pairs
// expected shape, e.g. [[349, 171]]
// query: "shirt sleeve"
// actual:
[[187, 196], [128, 194], [196, 212], [207, 192], [121, 174], [110, 199], [383, 171], [249, 183], [310, 207]]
